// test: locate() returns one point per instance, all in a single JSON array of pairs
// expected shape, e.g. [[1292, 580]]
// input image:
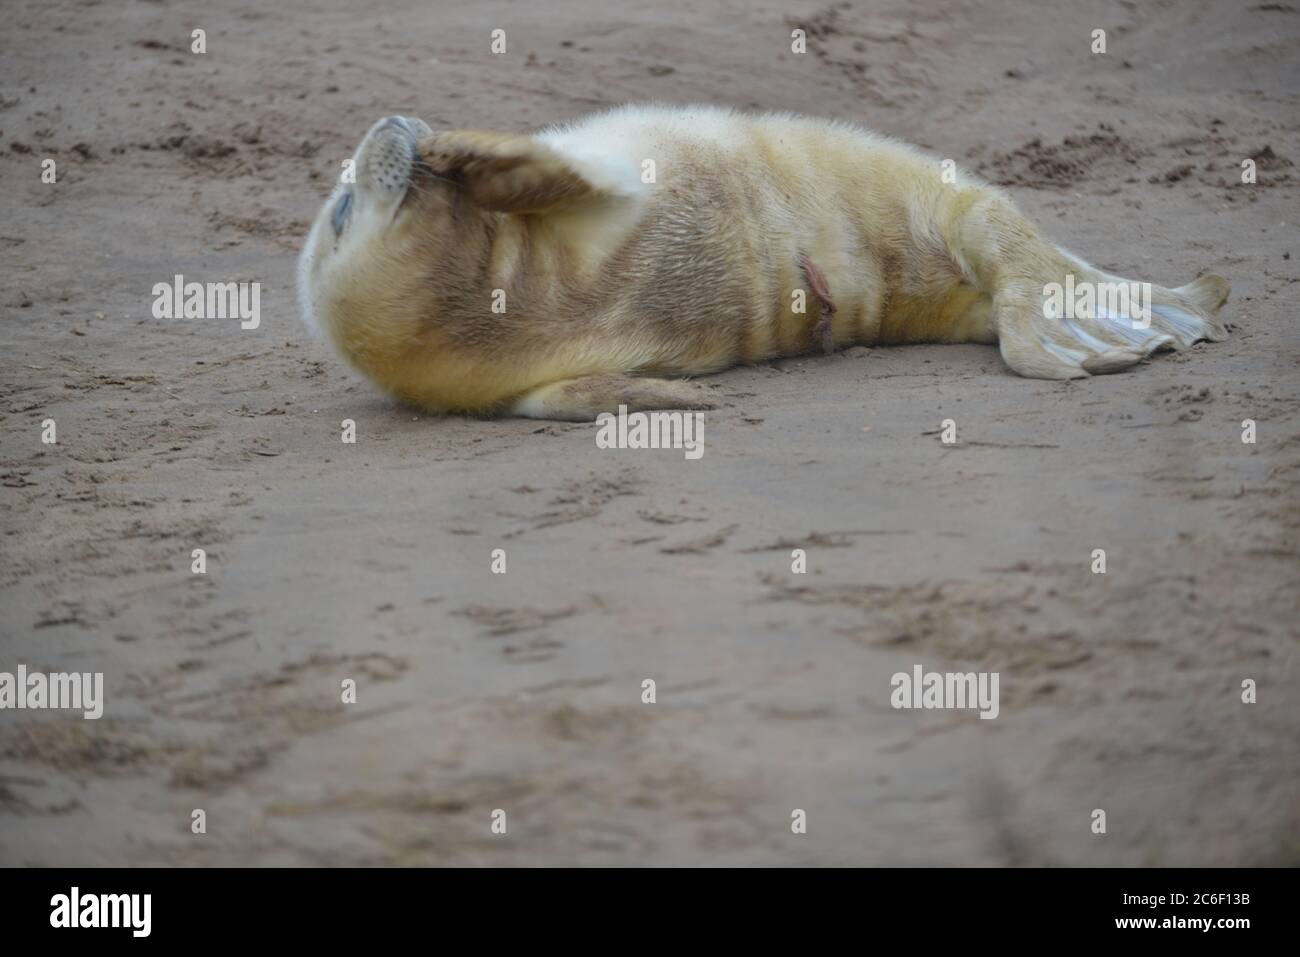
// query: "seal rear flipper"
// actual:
[[582, 399], [1034, 349], [1206, 296], [1042, 341], [1055, 315]]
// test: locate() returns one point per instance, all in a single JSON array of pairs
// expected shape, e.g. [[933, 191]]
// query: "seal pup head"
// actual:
[[399, 266], [371, 216]]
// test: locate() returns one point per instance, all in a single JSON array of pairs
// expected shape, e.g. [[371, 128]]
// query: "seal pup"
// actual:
[[566, 273]]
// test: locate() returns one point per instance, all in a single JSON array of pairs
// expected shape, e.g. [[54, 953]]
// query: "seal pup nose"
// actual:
[[418, 126], [386, 154], [407, 124]]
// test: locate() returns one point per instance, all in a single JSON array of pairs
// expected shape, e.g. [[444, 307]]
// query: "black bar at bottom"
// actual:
[[333, 907]]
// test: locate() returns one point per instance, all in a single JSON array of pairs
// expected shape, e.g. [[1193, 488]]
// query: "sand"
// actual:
[[523, 692]]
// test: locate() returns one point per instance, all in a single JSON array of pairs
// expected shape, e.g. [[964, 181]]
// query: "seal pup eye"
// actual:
[[340, 215]]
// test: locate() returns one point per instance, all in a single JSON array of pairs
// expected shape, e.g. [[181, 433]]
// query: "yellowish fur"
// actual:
[[550, 274]]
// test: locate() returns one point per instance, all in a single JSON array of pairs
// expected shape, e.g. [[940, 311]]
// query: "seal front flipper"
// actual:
[[582, 399], [508, 173]]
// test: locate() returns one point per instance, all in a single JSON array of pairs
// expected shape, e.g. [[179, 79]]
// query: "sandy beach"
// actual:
[[371, 562]]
